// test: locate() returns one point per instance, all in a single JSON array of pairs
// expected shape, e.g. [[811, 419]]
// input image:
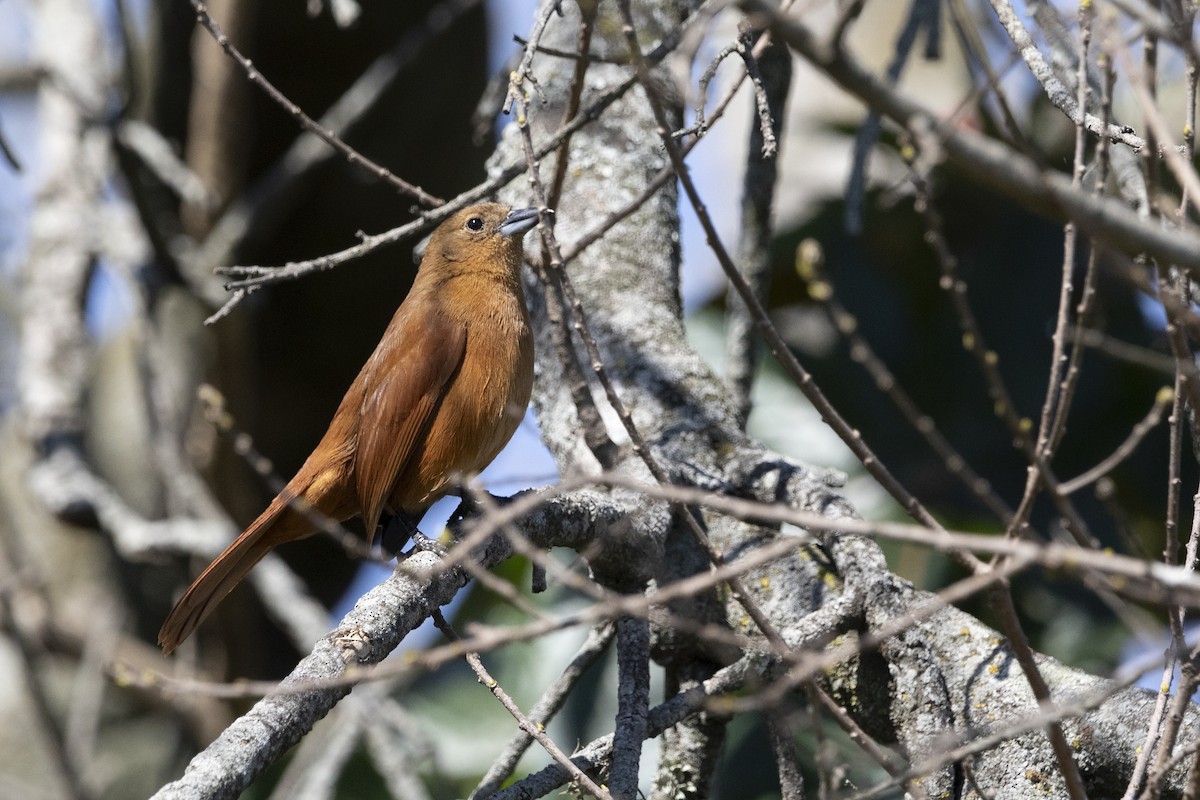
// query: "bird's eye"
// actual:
[[475, 224]]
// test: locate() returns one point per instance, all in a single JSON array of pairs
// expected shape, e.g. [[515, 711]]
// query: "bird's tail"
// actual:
[[228, 569]]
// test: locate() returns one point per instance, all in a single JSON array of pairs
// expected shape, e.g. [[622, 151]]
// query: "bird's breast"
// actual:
[[482, 406]]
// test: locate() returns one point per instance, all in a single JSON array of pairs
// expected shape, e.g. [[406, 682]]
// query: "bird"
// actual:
[[442, 393]]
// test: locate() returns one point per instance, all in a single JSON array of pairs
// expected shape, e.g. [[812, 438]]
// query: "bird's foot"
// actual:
[[469, 508]]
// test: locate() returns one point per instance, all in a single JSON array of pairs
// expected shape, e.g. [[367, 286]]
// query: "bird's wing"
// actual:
[[399, 407]]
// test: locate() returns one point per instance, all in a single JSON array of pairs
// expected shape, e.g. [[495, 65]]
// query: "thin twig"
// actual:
[[579, 55], [10, 155], [516, 81], [973, 340], [1066, 369], [758, 194], [865, 742], [1164, 398], [810, 267], [307, 122], [594, 647], [530, 727], [246, 277], [988, 360], [661, 717]]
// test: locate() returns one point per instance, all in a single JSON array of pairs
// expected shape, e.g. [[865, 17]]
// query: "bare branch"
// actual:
[[350, 154]]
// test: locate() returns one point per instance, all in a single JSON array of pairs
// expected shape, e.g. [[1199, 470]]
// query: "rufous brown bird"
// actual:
[[441, 395]]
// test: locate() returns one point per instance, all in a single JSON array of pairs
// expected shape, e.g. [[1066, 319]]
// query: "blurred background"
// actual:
[[284, 356]]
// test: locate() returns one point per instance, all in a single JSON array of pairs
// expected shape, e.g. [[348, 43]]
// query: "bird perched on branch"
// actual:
[[441, 395]]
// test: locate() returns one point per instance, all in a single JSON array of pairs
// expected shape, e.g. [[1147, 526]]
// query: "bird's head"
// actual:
[[486, 236]]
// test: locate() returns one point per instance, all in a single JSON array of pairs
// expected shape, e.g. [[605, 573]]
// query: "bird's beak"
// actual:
[[519, 220]]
